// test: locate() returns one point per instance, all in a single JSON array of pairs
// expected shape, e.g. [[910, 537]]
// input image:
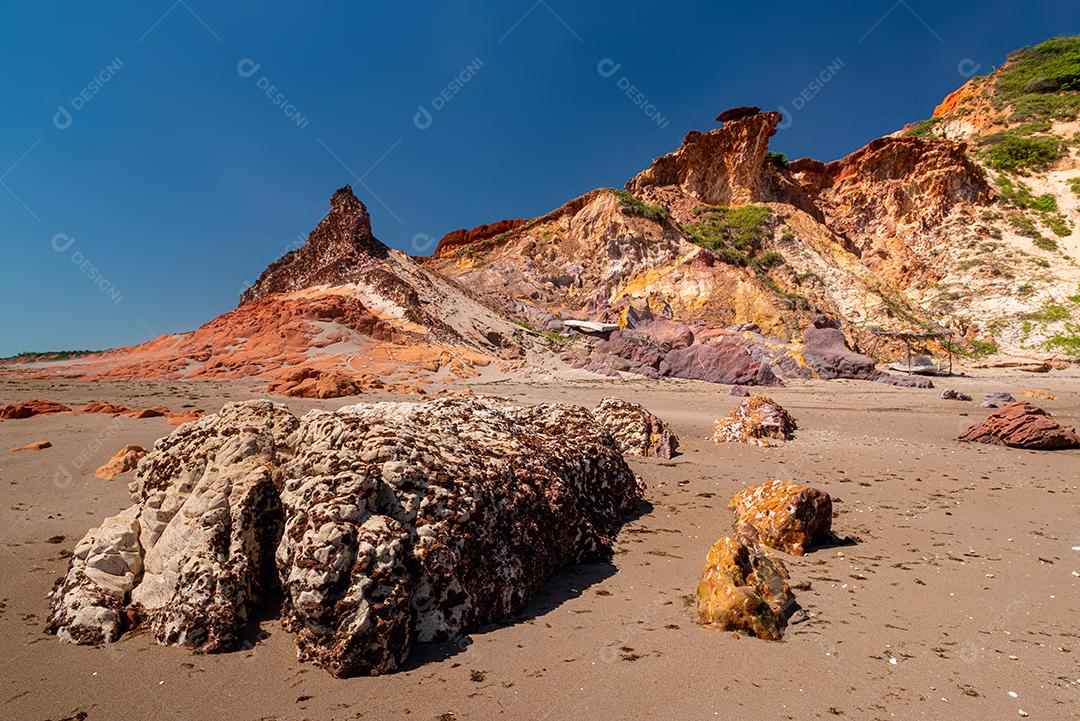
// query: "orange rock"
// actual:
[[29, 409], [744, 589], [1039, 393], [757, 420], [179, 419], [35, 446], [98, 407], [782, 515], [315, 383], [125, 460], [155, 412]]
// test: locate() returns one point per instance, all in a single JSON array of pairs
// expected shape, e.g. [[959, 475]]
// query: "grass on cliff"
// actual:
[[1015, 153], [1042, 81], [655, 213], [736, 235], [923, 129], [1074, 184], [1019, 196], [778, 160]]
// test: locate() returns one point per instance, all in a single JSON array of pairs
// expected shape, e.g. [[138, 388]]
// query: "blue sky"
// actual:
[[157, 155]]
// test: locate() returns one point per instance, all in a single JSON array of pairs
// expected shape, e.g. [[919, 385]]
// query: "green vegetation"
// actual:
[[1067, 344], [552, 339], [768, 259], [1043, 243], [1074, 184], [1057, 224], [470, 250], [57, 355], [976, 349], [1020, 196], [794, 301], [1041, 82], [655, 213], [734, 234], [923, 129], [1049, 313], [1013, 153], [778, 159]]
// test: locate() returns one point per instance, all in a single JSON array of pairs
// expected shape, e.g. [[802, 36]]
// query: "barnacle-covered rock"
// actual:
[[782, 515], [385, 524], [758, 420], [636, 430], [88, 604], [744, 589]]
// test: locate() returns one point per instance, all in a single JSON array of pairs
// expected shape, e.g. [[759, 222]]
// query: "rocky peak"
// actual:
[[724, 166], [341, 244]]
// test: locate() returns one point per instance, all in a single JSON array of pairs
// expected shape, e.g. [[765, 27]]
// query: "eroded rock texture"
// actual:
[[757, 420], [636, 430], [744, 589], [1023, 425], [383, 523], [782, 515]]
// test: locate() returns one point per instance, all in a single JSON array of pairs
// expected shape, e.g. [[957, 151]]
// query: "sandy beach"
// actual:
[[955, 596]]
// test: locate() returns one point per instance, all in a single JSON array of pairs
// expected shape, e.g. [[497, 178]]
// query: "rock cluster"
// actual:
[[383, 523], [637, 431], [1023, 425], [782, 515], [951, 394], [757, 420]]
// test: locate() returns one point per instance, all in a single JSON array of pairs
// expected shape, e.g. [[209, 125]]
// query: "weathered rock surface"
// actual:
[[1039, 394], [384, 523], [725, 360], [1023, 425], [742, 588], [951, 394], [316, 383], [782, 515], [636, 431], [757, 420], [123, 461], [29, 409]]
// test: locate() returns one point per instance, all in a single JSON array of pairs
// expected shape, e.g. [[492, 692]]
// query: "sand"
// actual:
[[961, 587]]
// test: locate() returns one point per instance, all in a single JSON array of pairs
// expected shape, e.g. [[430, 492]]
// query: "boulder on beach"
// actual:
[[757, 420], [315, 383], [1000, 397], [950, 394], [637, 431], [1039, 394], [739, 392], [1023, 425], [724, 360], [29, 409], [782, 515], [35, 446], [742, 588], [123, 461], [383, 523]]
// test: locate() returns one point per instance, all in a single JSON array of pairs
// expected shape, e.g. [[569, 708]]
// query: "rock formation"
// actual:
[[742, 588], [29, 409], [758, 421], [951, 394], [383, 523], [1023, 425], [123, 461], [636, 431], [782, 515]]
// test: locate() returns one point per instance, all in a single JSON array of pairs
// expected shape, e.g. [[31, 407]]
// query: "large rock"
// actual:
[[742, 588], [1023, 425], [826, 351], [782, 515], [758, 421], [725, 360], [384, 524], [637, 431], [29, 409]]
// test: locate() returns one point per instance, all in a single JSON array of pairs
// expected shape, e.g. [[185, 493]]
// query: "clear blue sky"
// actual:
[[146, 174]]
